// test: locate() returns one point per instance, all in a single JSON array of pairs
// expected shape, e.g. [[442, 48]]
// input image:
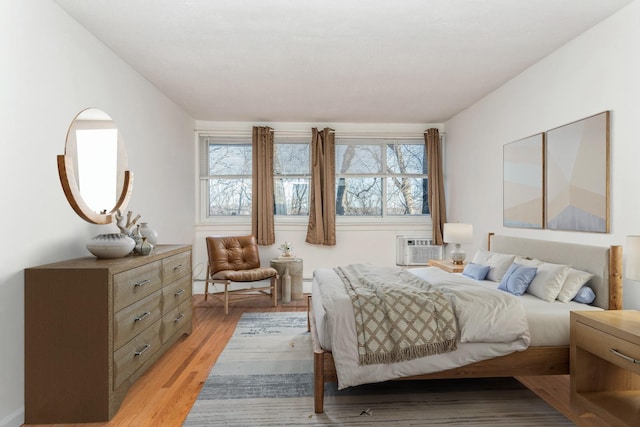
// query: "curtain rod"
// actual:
[[307, 132]]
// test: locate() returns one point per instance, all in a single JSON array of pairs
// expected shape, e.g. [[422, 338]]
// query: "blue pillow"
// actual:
[[476, 271], [585, 295], [517, 279]]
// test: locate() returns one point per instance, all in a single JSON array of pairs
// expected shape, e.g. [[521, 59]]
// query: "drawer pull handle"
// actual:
[[624, 356], [141, 283], [177, 267], [180, 292], [145, 348], [179, 318], [142, 316]]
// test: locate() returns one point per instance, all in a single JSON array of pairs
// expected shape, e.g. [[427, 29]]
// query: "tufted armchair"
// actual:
[[237, 259]]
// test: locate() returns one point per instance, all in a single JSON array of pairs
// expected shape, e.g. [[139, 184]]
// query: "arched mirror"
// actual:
[[93, 169]]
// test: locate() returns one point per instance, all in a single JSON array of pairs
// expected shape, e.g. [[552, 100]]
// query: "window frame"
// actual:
[[383, 142], [352, 222], [293, 139]]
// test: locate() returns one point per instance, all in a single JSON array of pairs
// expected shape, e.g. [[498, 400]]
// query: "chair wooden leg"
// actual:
[[226, 298], [206, 290]]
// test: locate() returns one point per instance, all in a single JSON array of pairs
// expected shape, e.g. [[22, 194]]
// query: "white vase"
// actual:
[[149, 233], [113, 245]]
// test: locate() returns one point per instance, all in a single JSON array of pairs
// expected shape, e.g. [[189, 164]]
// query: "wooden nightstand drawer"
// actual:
[[604, 382], [608, 347]]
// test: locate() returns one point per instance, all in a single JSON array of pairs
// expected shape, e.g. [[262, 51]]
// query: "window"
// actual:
[[375, 177], [291, 170], [381, 177], [226, 169]]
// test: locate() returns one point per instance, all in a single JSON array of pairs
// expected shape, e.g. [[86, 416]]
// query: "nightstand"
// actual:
[[446, 265], [605, 364]]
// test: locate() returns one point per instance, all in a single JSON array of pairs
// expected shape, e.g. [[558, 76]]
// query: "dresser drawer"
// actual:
[[601, 344], [175, 293], [135, 353], [132, 285], [176, 320], [176, 266], [137, 317]]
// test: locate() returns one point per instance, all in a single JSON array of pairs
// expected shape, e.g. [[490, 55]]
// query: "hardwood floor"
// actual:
[[164, 395]]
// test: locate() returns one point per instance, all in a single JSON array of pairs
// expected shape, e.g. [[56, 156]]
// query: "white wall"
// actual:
[[597, 71], [51, 69], [366, 243]]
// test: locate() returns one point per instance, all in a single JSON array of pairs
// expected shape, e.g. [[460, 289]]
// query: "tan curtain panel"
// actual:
[[262, 186], [322, 209], [437, 205]]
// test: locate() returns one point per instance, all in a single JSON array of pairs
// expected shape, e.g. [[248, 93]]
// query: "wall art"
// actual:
[[523, 186], [577, 175]]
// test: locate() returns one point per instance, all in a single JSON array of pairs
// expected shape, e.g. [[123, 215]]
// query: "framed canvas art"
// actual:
[[523, 186], [577, 175]]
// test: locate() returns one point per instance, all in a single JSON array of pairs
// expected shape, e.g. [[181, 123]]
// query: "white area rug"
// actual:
[[264, 377]]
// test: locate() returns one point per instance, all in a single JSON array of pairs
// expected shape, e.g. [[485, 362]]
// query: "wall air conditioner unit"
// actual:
[[416, 250]]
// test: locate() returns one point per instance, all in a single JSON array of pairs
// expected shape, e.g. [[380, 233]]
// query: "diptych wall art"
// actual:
[[577, 174], [523, 179], [559, 180]]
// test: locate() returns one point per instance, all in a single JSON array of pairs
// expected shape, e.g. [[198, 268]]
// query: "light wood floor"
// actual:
[[164, 395]]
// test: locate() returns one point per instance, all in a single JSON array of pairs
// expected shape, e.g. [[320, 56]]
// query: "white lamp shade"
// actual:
[[633, 258], [455, 232]]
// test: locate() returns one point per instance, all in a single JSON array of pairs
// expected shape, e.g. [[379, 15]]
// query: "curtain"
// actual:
[[322, 209], [262, 186], [437, 206]]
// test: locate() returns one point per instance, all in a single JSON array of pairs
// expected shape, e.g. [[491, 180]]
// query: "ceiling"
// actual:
[[373, 61]]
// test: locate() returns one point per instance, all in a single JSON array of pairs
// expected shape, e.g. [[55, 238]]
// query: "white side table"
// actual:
[[290, 283]]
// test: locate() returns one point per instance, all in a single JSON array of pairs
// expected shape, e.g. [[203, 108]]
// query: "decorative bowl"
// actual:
[[113, 245]]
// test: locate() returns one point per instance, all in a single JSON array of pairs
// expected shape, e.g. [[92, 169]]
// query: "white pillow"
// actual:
[[529, 262], [498, 263], [481, 257], [548, 281], [572, 284]]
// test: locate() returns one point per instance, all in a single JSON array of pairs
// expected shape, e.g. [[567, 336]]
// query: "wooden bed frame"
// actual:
[[532, 361]]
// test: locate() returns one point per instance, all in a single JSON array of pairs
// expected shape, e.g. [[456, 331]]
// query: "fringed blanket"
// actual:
[[398, 315]]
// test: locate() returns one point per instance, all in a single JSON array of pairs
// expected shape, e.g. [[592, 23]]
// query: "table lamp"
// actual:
[[457, 233]]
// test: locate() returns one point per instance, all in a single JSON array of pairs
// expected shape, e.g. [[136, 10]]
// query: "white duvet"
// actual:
[[491, 323]]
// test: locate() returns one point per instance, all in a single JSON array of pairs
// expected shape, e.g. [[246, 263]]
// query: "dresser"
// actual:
[[93, 326]]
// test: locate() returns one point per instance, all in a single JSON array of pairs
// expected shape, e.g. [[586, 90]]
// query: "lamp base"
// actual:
[[458, 255]]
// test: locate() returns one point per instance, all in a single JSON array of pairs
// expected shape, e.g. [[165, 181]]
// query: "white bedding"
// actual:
[[528, 321]]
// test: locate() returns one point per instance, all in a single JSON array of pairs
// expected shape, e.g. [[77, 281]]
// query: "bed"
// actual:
[[544, 356]]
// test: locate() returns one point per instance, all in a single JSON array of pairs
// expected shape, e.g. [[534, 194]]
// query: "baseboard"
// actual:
[[14, 419]]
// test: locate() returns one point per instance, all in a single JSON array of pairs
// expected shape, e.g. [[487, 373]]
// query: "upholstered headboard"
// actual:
[[604, 262]]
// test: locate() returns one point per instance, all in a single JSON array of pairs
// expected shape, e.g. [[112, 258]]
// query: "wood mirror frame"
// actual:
[[71, 187]]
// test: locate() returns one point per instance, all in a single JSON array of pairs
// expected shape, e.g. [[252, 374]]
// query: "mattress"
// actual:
[[548, 321]]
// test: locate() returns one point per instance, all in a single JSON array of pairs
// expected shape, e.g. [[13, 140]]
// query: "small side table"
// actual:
[[290, 283], [447, 265], [605, 365]]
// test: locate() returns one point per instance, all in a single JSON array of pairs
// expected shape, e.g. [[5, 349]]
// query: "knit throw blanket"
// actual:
[[398, 315]]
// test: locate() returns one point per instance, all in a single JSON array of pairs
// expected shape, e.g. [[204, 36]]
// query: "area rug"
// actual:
[[264, 377]]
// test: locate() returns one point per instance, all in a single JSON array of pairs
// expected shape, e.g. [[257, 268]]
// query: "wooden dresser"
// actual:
[[93, 326]]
